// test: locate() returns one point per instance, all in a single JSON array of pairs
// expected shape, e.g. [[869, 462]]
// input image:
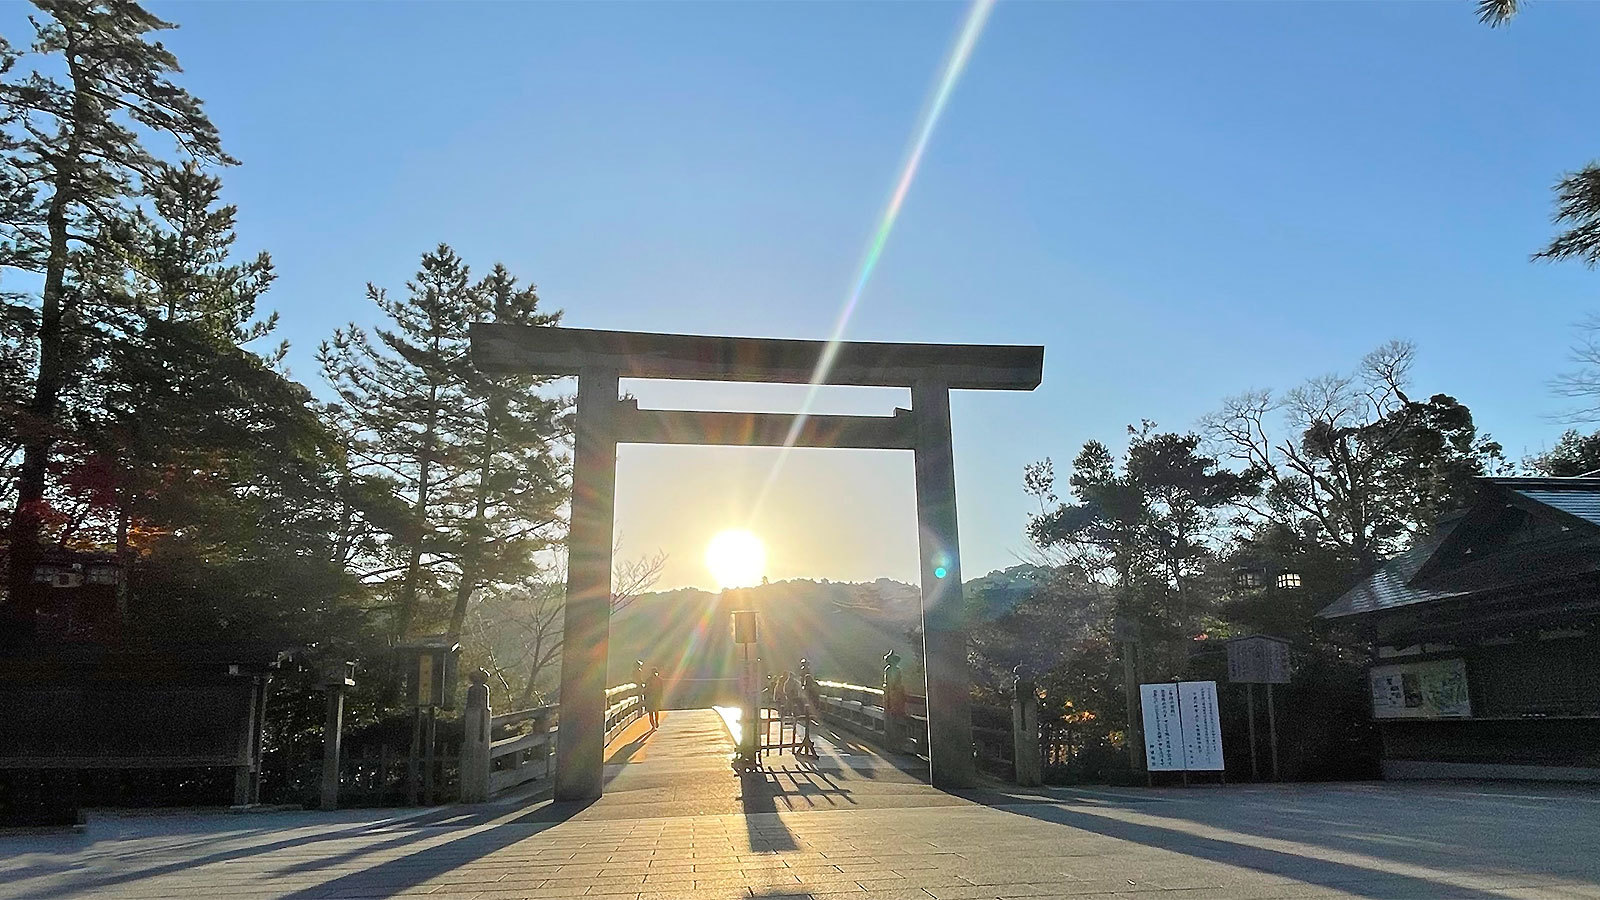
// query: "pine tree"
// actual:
[[230, 491], [511, 500], [402, 398], [202, 438], [184, 256], [75, 146], [474, 460]]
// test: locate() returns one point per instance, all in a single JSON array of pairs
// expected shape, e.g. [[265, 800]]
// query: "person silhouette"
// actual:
[[654, 687]]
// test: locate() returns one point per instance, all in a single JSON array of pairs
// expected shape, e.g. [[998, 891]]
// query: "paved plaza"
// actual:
[[676, 823]]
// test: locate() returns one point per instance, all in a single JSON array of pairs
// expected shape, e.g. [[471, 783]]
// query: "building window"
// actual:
[[1251, 578], [1289, 581]]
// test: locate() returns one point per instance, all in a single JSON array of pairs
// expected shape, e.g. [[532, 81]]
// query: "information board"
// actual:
[[1182, 729], [1258, 659], [1202, 726], [1163, 730], [1434, 689]]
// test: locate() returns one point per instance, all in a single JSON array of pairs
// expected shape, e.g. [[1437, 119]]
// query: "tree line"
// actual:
[[146, 414], [1146, 561]]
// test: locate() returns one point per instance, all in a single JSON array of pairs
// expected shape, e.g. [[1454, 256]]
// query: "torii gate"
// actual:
[[600, 358]]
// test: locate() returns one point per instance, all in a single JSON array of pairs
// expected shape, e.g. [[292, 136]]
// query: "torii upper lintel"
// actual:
[[536, 350]]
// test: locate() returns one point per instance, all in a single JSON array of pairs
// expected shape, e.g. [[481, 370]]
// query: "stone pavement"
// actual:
[[675, 823]]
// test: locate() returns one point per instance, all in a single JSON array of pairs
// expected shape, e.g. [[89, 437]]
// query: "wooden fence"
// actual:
[[379, 776]]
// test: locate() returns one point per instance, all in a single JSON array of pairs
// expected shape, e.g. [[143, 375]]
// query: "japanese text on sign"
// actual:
[[1163, 748], [1182, 731], [1258, 659], [1202, 728]]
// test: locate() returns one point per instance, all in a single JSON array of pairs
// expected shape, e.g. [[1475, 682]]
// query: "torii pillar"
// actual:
[[586, 634], [944, 614]]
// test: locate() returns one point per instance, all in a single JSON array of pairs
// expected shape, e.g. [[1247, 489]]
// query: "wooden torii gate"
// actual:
[[600, 358]]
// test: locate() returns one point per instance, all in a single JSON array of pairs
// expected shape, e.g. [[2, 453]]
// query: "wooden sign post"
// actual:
[[745, 635], [431, 664], [1259, 659], [338, 677]]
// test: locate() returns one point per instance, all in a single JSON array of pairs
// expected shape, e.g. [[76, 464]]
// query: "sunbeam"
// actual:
[[954, 64]]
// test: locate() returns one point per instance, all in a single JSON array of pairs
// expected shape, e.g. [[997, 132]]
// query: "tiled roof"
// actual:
[[1387, 588], [1578, 497], [1573, 501]]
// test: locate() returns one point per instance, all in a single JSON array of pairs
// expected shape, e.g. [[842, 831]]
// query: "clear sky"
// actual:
[[1179, 200]]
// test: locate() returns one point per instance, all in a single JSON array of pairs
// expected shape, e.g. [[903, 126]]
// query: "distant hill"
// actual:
[[995, 595], [843, 629]]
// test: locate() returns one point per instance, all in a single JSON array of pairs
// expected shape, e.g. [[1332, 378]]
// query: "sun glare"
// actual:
[[736, 558]]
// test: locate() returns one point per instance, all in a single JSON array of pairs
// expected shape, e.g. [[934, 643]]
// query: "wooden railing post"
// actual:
[[1025, 732], [475, 740], [331, 734], [338, 677]]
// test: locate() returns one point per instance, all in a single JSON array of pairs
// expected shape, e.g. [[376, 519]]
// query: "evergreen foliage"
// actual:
[[77, 164], [1162, 553], [474, 461]]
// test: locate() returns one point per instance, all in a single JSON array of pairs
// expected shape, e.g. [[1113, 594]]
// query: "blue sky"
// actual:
[[1179, 200]]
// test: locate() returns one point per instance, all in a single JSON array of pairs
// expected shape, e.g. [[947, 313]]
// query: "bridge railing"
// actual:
[[505, 751], [1010, 749], [861, 707], [624, 703], [519, 748]]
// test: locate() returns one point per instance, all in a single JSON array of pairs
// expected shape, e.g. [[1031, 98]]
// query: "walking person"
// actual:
[[808, 708], [654, 688], [780, 695]]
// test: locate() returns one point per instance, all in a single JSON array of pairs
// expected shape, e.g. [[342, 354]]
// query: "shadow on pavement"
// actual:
[[859, 757], [395, 876], [413, 823], [758, 797], [552, 813], [807, 783], [618, 757], [1360, 881], [1549, 830], [1359, 819]]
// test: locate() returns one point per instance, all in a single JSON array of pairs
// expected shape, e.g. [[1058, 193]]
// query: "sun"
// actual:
[[736, 558]]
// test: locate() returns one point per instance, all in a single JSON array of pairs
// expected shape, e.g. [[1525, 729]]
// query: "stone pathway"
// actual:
[[676, 823]]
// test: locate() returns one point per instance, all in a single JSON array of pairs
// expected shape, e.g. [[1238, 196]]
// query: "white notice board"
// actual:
[[1182, 730], [1163, 733], [1202, 728]]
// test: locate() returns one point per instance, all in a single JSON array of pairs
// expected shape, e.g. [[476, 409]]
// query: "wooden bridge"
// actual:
[[506, 753]]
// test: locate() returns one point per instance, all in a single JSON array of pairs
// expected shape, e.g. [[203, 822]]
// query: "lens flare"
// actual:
[[954, 64]]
